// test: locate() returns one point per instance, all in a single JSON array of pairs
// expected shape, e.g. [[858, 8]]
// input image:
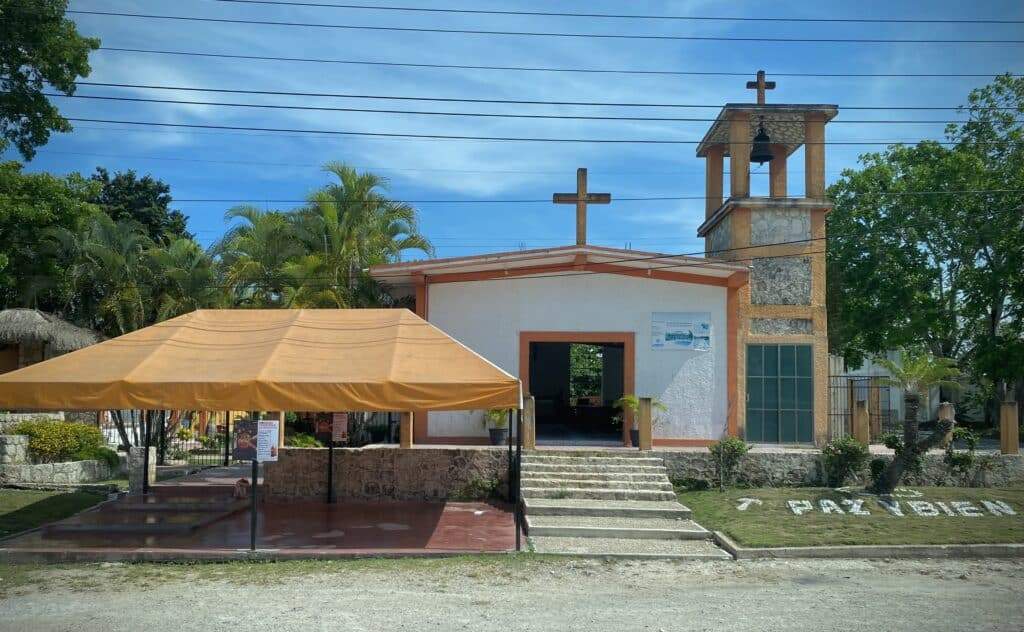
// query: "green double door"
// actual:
[[780, 394]]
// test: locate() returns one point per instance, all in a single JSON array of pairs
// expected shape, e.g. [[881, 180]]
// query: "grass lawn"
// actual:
[[22, 509], [772, 523]]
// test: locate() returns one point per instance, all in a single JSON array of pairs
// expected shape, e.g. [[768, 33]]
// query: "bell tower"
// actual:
[[780, 392]]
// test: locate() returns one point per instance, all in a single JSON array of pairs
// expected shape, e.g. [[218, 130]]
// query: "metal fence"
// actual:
[[196, 439], [844, 393]]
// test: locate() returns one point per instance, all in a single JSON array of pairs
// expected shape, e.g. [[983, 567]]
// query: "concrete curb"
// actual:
[[869, 551], [48, 556]]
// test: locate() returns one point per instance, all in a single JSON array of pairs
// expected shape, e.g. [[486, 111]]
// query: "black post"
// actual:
[[330, 471], [162, 458], [519, 482], [510, 465], [252, 506], [227, 438], [145, 452]]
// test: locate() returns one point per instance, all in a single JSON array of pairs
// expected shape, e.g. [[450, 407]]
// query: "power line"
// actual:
[[616, 36], [464, 114], [462, 137], [343, 95], [628, 16], [624, 71]]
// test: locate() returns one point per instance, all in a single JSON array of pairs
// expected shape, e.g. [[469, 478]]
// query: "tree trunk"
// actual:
[[118, 420], [913, 448]]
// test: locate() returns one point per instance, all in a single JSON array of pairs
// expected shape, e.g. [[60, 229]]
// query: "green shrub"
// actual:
[[56, 441], [961, 464], [106, 455], [212, 443], [726, 456], [184, 434], [842, 459], [302, 440], [877, 467], [476, 489]]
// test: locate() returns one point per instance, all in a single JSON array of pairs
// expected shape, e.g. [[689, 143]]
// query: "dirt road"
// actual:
[[530, 594]]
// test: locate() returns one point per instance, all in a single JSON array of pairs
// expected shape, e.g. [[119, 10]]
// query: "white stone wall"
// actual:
[[781, 281], [488, 316]]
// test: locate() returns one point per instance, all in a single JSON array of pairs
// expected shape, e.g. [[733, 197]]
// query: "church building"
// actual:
[[731, 344]]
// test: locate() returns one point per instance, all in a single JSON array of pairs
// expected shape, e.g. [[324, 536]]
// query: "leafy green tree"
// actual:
[[185, 279], [255, 256], [38, 47], [916, 373], [30, 205], [146, 200], [585, 369], [109, 276], [926, 243], [346, 228]]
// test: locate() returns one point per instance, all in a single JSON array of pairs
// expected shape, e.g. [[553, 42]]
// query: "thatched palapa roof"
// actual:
[[31, 325]]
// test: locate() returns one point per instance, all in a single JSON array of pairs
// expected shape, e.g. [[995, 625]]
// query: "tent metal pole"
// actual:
[[145, 451], [330, 471], [519, 482], [510, 465], [252, 504], [227, 438]]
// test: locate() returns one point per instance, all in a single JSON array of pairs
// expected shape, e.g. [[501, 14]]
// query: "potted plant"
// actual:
[[631, 404], [496, 421]]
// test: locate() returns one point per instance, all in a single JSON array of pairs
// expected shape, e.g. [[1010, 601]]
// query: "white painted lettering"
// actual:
[[923, 508], [966, 509], [892, 506], [945, 509], [855, 506], [745, 503], [998, 508], [800, 507], [829, 506]]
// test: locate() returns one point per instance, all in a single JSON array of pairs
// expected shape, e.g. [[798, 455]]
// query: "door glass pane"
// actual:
[[755, 392], [803, 361], [804, 427], [787, 393], [755, 361], [787, 360], [771, 359], [771, 426], [787, 431], [755, 425], [771, 393], [804, 396]]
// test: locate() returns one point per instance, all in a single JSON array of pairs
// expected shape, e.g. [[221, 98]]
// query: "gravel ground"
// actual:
[[530, 594]]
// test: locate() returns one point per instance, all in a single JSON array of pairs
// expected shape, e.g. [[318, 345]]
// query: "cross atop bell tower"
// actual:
[[760, 85], [581, 198]]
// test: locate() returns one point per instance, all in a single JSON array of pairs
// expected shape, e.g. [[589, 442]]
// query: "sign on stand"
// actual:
[[339, 427], [266, 440], [256, 440]]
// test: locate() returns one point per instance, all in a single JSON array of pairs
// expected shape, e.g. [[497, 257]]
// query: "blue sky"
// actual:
[[259, 166]]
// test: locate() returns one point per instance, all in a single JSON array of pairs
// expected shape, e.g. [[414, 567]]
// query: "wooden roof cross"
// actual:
[[581, 198], [760, 85]]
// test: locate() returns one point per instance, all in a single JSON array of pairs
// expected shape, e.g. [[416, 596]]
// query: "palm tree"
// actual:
[[347, 227], [916, 373], [107, 272], [186, 279], [255, 254]]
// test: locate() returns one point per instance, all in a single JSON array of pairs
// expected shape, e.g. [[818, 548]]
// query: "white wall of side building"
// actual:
[[488, 316]]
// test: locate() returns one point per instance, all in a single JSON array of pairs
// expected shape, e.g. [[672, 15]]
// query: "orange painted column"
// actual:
[[814, 156], [714, 165], [405, 439], [777, 172], [739, 155]]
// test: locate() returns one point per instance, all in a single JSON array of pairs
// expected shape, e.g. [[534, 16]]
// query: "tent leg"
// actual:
[[145, 452], [252, 504], [519, 464], [511, 498], [330, 472], [227, 438]]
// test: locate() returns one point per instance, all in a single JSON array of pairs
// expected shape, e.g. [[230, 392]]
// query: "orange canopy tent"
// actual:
[[270, 359]]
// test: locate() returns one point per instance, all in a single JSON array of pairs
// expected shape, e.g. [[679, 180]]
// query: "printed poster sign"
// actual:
[[266, 440], [255, 440], [244, 448], [690, 331], [339, 427]]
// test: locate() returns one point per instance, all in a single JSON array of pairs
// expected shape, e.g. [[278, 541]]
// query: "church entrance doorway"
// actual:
[[575, 379]]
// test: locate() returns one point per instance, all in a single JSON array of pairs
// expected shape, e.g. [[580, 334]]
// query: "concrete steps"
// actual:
[[608, 504], [606, 508], [629, 548]]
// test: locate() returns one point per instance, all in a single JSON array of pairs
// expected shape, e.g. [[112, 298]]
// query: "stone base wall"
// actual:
[[13, 450], [9, 420], [782, 469], [71, 472], [379, 473]]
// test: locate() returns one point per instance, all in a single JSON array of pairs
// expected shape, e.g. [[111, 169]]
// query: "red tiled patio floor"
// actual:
[[292, 529]]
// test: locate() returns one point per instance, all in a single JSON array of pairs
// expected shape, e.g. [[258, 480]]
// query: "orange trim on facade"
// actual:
[[422, 296], [626, 338], [610, 268]]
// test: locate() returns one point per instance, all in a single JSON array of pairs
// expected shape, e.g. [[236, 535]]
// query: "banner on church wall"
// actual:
[[690, 331]]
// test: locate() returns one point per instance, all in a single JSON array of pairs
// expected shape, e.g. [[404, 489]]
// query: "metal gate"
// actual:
[[844, 393]]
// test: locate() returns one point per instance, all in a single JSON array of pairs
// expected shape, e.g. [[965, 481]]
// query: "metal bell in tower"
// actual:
[[761, 151]]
